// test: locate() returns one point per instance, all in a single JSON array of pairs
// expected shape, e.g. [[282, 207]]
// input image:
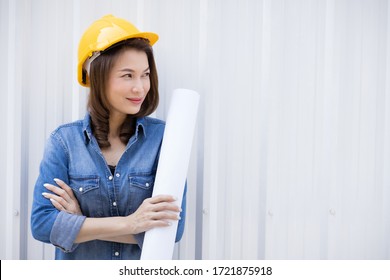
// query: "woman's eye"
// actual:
[[127, 76], [146, 74]]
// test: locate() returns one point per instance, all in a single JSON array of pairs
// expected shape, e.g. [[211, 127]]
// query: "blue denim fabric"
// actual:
[[73, 155]]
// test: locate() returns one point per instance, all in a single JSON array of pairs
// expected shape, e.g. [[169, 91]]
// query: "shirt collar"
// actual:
[[140, 127]]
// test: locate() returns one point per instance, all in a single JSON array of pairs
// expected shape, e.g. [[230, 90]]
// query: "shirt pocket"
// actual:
[[140, 188], [87, 190]]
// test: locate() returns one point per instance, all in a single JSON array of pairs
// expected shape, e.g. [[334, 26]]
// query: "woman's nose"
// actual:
[[137, 87]]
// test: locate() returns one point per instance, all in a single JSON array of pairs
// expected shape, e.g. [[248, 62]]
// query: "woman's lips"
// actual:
[[135, 101]]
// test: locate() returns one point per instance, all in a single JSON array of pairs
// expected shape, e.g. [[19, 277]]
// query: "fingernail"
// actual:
[[169, 223], [44, 194], [55, 180], [46, 185], [174, 198], [178, 217], [181, 210]]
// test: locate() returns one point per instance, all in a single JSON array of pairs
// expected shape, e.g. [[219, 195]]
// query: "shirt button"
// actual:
[[116, 254], [80, 189], [117, 175], [110, 178], [147, 184], [114, 203]]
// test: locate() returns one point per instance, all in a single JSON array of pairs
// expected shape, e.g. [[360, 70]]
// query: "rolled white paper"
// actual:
[[172, 168]]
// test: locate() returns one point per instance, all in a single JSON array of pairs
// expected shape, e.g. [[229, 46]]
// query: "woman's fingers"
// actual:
[[62, 197], [65, 187], [163, 202], [166, 206], [57, 205], [62, 203], [161, 198], [58, 191], [158, 211], [166, 216]]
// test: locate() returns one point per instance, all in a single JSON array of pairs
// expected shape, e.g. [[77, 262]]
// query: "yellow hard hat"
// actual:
[[102, 34]]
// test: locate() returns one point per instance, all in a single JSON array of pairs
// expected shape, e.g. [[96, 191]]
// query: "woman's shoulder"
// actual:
[[152, 126], [154, 121], [69, 128]]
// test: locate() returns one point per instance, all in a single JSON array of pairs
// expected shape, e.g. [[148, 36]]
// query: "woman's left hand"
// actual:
[[63, 198]]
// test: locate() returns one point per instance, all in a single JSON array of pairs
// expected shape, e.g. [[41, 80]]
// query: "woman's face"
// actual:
[[128, 82]]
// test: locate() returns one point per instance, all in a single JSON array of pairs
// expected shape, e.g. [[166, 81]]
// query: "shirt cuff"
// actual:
[[139, 237], [65, 230]]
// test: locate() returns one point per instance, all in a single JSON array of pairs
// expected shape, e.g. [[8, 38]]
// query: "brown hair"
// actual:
[[98, 104]]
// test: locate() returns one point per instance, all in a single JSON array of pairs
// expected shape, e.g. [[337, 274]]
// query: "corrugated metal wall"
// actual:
[[292, 151]]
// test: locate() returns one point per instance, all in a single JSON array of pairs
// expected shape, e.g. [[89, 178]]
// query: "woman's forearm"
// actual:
[[127, 239], [103, 229], [153, 212]]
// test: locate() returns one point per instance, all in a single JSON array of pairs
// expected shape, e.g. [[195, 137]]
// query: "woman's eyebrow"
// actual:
[[131, 70]]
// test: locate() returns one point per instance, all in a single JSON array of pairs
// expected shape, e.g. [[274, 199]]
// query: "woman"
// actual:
[[99, 204]]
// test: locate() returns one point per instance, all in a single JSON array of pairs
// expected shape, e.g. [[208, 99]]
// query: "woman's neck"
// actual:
[[113, 153], [116, 120]]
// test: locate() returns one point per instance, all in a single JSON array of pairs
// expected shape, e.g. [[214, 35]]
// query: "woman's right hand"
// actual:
[[154, 212], [63, 198]]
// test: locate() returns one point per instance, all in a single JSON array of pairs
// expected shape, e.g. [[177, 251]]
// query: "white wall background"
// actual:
[[292, 151]]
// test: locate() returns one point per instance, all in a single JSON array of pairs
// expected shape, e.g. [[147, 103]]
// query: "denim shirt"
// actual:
[[72, 154]]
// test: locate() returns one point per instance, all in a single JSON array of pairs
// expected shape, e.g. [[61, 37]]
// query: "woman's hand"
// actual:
[[154, 212], [63, 198]]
